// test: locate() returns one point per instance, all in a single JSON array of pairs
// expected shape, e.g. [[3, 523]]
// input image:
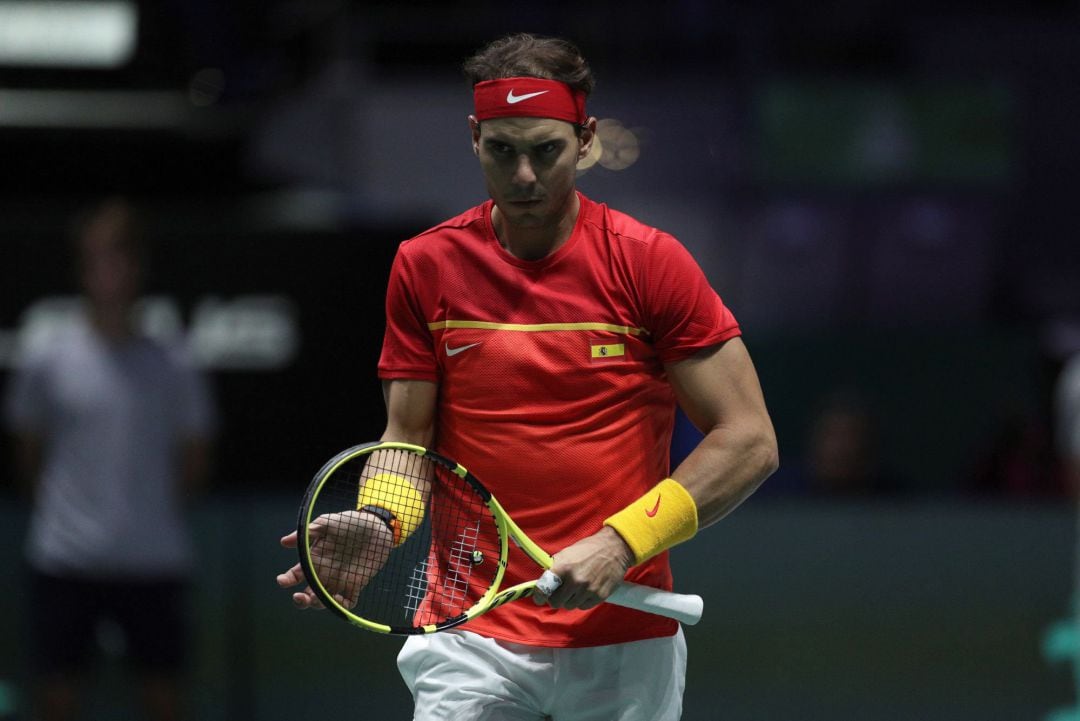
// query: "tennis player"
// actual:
[[544, 340]]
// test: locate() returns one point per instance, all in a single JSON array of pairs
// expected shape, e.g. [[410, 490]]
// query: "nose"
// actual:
[[523, 171]]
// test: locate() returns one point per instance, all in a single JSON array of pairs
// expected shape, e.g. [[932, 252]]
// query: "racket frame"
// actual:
[[505, 527], [686, 608]]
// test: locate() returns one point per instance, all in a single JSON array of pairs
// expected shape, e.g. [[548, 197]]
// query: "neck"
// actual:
[[534, 243], [114, 324]]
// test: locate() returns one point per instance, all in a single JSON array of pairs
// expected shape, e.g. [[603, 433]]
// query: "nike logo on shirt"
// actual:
[[454, 351], [515, 99]]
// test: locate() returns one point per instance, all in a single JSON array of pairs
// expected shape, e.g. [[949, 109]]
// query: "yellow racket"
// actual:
[[398, 539]]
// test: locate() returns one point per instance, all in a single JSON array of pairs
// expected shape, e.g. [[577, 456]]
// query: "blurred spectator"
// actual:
[[843, 455], [840, 455], [111, 431], [1067, 418], [1067, 436], [1019, 462]]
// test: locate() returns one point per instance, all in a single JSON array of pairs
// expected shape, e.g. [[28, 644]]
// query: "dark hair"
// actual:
[[526, 55]]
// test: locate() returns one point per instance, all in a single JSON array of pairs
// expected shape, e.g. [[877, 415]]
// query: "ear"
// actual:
[[585, 140], [474, 128]]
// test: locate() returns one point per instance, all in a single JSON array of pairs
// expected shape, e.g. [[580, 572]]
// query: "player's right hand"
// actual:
[[589, 571]]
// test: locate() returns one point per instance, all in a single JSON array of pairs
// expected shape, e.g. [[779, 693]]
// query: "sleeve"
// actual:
[[408, 351], [26, 400], [683, 312]]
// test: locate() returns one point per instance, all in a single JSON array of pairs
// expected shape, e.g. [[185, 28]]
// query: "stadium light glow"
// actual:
[[615, 147], [47, 33], [621, 148]]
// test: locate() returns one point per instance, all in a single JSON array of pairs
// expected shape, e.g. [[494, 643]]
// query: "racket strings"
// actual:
[[440, 571], [461, 561], [416, 590]]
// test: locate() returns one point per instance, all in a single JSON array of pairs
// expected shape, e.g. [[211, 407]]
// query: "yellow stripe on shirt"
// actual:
[[535, 327]]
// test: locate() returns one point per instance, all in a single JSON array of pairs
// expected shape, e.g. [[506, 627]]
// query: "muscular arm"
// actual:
[[719, 391], [410, 411], [410, 418]]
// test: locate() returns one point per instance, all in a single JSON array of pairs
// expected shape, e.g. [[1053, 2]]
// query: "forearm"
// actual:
[[195, 463], [395, 487], [726, 467], [28, 451], [719, 391], [410, 418], [410, 412]]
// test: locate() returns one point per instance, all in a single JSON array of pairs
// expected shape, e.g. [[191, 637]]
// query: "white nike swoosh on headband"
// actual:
[[514, 99]]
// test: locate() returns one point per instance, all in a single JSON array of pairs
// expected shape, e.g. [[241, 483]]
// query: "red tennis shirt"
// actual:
[[552, 388]]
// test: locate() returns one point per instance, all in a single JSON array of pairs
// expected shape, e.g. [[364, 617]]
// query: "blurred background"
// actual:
[[884, 194]]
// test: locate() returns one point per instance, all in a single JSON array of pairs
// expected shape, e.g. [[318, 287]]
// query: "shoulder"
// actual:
[[624, 229], [51, 338], [641, 250], [452, 231]]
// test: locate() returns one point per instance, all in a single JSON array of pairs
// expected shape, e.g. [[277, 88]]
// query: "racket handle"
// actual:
[[683, 607], [548, 583]]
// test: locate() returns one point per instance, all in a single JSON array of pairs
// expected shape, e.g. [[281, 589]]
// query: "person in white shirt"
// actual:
[[112, 430]]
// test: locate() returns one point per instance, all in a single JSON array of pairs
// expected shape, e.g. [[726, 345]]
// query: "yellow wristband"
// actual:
[[395, 494], [662, 518]]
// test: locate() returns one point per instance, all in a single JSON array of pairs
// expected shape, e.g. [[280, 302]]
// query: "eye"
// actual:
[[548, 148], [500, 148]]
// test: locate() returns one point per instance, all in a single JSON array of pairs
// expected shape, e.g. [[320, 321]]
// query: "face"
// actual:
[[530, 165], [110, 273]]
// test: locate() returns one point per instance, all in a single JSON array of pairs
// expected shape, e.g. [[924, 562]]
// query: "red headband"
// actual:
[[528, 97]]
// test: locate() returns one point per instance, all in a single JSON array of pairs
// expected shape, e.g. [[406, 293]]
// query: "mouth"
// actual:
[[525, 203]]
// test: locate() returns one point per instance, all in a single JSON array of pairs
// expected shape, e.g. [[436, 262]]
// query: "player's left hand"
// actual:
[[348, 550], [590, 570]]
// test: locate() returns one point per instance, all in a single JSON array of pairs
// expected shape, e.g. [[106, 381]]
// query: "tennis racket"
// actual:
[[443, 570]]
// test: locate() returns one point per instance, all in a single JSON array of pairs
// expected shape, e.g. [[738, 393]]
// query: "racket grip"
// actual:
[[686, 608], [548, 583]]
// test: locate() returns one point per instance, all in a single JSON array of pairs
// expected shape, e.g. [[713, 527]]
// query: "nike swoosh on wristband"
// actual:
[[454, 351], [655, 508], [515, 99]]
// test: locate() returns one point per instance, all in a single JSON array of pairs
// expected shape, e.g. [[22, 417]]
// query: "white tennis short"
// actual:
[[460, 676]]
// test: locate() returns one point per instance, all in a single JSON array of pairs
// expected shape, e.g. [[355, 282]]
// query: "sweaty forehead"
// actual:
[[525, 130]]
